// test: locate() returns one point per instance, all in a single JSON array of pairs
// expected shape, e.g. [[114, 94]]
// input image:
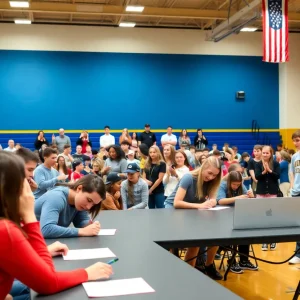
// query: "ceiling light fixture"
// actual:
[[127, 24], [22, 21], [131, 8], [23, 4], [249, 29]]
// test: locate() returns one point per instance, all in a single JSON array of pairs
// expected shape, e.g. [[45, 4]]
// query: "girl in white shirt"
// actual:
[[175, 172]]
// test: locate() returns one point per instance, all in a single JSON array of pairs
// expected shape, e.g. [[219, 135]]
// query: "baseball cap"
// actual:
[[113, 177], [130, 152], [132, 168], [147, 125]]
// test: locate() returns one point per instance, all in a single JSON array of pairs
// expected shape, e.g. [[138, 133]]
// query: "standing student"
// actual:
[[61, 140], [252, 165], [134, 190], [169, 155], [106, 139], [147, 137], [24, 254], [184, 140], [175, 172], [295, 183], [125, 137], [155, 169], [11, 146], [200, 141], [230, 190], [285, 160], [113, 200], [40, 140], [267, 173], [169, 138], [84, 141], [198, 190], [45, 175], [71, 203], [143, 152]]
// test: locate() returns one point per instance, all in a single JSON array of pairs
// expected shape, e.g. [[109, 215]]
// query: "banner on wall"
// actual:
[[275, 31]]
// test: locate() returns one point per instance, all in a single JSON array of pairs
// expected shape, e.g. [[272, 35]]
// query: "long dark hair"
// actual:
[[40, 132], [120, 153], [234, 176], [90, 183], [64, 167], [12, 175]]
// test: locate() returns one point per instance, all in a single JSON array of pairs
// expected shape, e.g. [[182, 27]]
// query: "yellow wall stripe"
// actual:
[[55, 131]]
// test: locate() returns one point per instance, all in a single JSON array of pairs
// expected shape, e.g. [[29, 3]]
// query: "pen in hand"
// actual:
[[112, 261]]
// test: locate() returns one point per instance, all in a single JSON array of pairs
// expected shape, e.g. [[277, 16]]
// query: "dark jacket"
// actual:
[[79, 142], [201, 144], [267, 183], [38, 144]]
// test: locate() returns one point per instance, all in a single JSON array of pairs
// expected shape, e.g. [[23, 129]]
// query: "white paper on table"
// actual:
[[107, 232], [88, 254], [219, 207], [117, 287]]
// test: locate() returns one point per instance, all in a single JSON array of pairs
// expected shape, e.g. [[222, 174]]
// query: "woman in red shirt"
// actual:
[[23, 251], [84, 141]]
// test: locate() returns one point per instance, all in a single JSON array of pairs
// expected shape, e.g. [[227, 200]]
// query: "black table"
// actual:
[[139, 241]]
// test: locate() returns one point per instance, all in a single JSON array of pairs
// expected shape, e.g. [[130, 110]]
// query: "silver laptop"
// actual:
[[266, 213]]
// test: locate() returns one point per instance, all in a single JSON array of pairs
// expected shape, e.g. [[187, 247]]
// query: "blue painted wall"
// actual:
[[75, 90]]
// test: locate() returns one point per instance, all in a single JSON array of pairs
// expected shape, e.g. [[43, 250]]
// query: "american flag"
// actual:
[[276, 31]]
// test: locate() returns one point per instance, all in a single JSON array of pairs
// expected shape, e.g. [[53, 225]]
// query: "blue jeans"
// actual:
[[156, 201], [19, 291], [297, 243]]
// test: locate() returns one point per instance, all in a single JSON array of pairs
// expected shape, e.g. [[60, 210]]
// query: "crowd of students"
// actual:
[[41, 201]]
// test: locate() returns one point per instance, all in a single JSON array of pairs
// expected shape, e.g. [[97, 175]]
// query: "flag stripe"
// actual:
[[275, 30]]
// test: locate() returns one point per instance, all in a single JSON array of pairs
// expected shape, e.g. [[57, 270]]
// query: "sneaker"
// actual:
[[294, 260], [273, 246], [213, 273], [264, 247], [235, 268], [247, 265], [218, 256]]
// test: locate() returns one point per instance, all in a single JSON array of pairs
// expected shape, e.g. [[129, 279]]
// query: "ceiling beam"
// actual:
[[94, 9]]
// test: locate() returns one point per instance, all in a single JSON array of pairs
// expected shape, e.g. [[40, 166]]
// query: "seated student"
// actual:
[[77, 169], [198, 189], [103, 154], [125, 137], [45, 175], [143, 152], [131, 159], [231, 189], [11, 146], [67, 156], [79, 155], [23, 251], [97, 165], [116, 161], [113, 199], [61, 167], [88, 152], [71, 203], [125, 147], [134, 190], [214, 147], [86, 169], [175, 172]]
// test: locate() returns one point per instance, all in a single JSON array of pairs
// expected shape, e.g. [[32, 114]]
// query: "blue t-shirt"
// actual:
[[56, 214], [188, 183], [223, 193], [284, 171], [295, 169]]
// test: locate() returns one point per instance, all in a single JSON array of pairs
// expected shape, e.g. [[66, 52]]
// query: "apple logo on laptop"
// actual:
[[269, 213]]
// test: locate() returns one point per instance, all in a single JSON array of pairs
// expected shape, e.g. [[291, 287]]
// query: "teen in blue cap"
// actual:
[[134, 190]]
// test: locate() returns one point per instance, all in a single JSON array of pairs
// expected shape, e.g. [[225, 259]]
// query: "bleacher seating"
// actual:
[[243, 140]]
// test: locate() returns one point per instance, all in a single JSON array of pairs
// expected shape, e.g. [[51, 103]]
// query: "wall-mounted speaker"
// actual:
[[240, 95]]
